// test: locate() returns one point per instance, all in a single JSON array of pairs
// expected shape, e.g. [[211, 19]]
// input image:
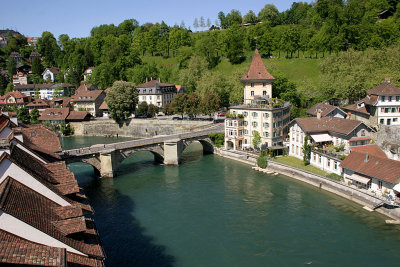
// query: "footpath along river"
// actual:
[[212, 211]]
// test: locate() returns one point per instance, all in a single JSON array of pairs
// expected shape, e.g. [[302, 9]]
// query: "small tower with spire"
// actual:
[[257, 81]]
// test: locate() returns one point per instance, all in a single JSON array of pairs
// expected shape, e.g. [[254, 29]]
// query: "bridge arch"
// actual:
[[206, 143]]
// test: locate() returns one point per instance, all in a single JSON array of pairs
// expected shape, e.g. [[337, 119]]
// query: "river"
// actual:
[[211, 211]]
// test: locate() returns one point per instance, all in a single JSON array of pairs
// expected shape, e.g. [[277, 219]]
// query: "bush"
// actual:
[[262, 162], [217, 139], [342, 157]]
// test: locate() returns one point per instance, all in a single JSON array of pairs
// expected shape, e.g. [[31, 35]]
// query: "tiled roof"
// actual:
[[86, 96], [321, 107], [330, 124], [16, 197], [41, 139], [107, 90], [41, 85], [373, 149], [373, 166], [257, 70], [86, 87], [77, 115], [385, 88], [104, 105], [38, 103], [14, 94], [153, 84], [64, 101], [356, 108], [54, 114], [52, 69]]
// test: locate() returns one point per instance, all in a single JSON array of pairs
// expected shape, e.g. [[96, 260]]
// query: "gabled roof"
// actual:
[[385, 88], [86, 87], [78, 115], [41, 139], [54, 114], [325, 109], [373, 166], [104, 105], [257, 70], [330, 124], [86, 96], [38, 102], [54, 70], [64, 101], [373, 150], [154, 84], [14, 94]]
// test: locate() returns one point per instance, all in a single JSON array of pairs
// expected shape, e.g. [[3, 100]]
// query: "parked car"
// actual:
[[222, 113]]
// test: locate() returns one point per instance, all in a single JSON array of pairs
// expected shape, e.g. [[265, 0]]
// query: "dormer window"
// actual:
[[264, 84], [33, 134], [252, 84]]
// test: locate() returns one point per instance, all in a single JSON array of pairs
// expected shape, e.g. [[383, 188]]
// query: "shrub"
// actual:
[[262, 162], [342, 157], [217, 139]]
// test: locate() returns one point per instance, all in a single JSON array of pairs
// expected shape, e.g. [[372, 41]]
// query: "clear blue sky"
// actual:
[[77, 18]]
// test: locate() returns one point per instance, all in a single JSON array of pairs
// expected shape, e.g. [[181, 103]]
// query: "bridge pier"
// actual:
[[108, 164], [172, 151]]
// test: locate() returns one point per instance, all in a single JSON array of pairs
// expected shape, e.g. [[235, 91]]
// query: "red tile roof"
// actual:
[[257, 70], [38, 103], [321, 107], [64, 101], [104, 105], [330, 124], [54, 114], [86, 87], [14, 94], [375, 167], [41, 139], [385, 88], [86, 96], [153, 84], [356, 108], [374, 150], [78, 115]]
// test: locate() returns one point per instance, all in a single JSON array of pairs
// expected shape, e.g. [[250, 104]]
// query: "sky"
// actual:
[[77, 18]]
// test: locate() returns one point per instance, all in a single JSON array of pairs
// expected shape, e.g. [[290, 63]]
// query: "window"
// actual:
[[394, 119], [319, 159], [386, 110], [380, 184], [388, 121], [254, 114], [397, 98], [252, 93], [266, 115], [390, 98], [328, 163], [382, 109], [245, 113], [266, 124], [254, 123], [252, 84], [362, 132], [266, 134], [393, 110], [383, 98], [264, 84], [382, 121], [245, 123], [314, 157], [292, 148], [264, 93], [246, 131], [335, 165]]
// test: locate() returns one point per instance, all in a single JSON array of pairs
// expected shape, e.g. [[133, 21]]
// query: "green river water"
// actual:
[[211, 211]]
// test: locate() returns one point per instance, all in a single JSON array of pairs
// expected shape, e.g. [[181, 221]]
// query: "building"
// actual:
[[33, 55], [54, 115], [32, 41], [16, 57], [20, 79], [88, 72], [329, 137], [39, 104], [60, 102], [326, 110], [381, 106], [180, 89], [156, 93], [45, 90], [50, 74], [89, 100], [260, 112], [374, 172], [14, 99]]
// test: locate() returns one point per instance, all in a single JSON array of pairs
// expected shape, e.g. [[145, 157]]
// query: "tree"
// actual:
[[209, 104], [233, 18], [306, 151], [10, 87], [152, 110], [3, 83], [208, 23], [202, 22], [191, 75], [66, 129], [222, 20], [256, 139], [49, 49], [11, 67], [23, 115], [192, 104], [178, 104], [250, 17], [121, 100], [234, 43], [37, 67], [196, 23], [34, 116], [269, 13], [142, 109], [182, 25]]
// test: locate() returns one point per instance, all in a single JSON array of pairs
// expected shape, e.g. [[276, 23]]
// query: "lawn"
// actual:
[[295, 162]]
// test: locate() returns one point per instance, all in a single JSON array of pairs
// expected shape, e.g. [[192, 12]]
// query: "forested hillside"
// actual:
[[327, 49]]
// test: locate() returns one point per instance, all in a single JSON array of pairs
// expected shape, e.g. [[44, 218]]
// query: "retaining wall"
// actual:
[[136, 127]]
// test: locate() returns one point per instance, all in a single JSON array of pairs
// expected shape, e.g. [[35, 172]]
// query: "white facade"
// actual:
[[388, 110], [158, 100], [48, 75]]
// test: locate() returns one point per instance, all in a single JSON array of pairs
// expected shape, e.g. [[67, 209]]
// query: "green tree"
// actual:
[[250, 17], [142, 109], [262, 162], [11, 67], [306, 151], [139, 73], [3, 83], [178, 104], [34, 116], [233, 18], [58, 91], [37, 67], [209, 104], [49, 49], [269, 13], [234, 43], [222, 20], [256, 139], [192, 104], [195, 23], [121, 100], [191, 75], [10, 87], [152, 110], [23, 115], [66, 129]]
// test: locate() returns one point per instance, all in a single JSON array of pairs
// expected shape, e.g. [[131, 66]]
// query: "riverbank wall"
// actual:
[[321, 182], [140, 128]]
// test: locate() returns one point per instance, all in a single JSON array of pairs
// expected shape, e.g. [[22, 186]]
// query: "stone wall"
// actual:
[[388, 138], [136, 127]]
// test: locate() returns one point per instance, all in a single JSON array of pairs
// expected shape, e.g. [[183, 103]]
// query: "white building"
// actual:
[[50, 74], [156, 93], [381, 106], [329, 137], [261, 113]]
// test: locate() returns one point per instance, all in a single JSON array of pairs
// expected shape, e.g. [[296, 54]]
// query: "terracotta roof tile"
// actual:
[[376, 167], [71, 226], [86, 96], [257, 70], [385, 88], [54, 114], [322, 107], [153, 84], [38, 102], [374, 150], [78, 115], [331, 124], [67, 212], [104, 105], [62, 101], [15, 94], [86, 87], [356, 108], [42, 139]]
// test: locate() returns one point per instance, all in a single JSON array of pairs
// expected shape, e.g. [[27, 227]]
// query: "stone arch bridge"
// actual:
[[105, 158]]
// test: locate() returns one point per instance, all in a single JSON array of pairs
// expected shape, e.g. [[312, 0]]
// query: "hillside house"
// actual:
[[326, 110], [156, 93], [88, 100], [50, 74], [14, 98]]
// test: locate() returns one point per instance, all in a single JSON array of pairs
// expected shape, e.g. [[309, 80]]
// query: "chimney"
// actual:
[[366, 157], [319, 113], [387, 80]]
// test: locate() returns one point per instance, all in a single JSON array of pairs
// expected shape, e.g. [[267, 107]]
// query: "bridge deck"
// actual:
[[103, 148]]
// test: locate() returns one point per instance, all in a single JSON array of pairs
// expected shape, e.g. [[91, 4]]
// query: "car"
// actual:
[[176, 118]]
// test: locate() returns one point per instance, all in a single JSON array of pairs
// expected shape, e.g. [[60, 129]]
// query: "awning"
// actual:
[[360, 179], [246, 145], [396, 188], [321, 137]]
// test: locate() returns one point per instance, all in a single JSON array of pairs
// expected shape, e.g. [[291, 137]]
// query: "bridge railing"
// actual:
[[141, 142]]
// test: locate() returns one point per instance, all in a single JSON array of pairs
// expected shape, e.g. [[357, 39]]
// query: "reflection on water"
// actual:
[[211, 211]]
